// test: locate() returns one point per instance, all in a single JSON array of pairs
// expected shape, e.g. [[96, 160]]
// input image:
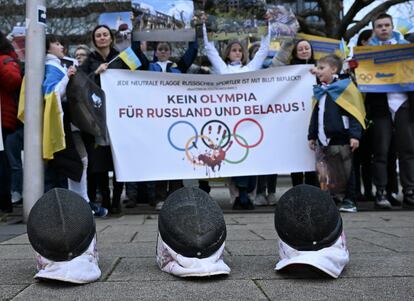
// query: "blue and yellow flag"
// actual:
[[130, 58], [53, 133], [346, 95]]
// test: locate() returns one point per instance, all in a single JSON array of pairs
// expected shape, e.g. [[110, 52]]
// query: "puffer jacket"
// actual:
[[10, 82]]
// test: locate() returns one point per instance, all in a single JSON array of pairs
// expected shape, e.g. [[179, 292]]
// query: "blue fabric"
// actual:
[[374, 41], [14, 147], [334, 90], [157, 68], [53, 75]]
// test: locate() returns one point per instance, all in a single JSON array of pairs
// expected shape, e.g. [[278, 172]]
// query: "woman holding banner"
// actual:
[[99, 151], [302, 53]]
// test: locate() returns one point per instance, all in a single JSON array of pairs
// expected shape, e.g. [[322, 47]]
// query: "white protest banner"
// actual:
[[183, 126]]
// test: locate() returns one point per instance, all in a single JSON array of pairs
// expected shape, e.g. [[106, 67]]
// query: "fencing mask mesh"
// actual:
[[192, 223], [60, 226], [306, 218]]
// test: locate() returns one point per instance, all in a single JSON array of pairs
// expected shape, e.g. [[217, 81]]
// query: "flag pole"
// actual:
[[33, 170]]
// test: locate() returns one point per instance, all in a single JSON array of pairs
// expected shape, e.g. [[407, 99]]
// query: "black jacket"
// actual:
[[376, 105], [94, 60]]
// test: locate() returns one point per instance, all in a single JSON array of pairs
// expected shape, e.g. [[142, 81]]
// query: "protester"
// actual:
[[159, 190], [310, 233], [14, 148], [10, 82], [302, 53], [99, 151], [67, 157], [81, 53], [334, 131], [392, 114], [235, 60], [266, 183]]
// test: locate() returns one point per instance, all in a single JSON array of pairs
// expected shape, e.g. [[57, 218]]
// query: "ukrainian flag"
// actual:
[[129, 57], [346, 95], [53, 132]]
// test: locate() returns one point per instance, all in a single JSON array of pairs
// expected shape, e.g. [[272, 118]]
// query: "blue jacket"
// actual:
[[374, 41], [181, 67]]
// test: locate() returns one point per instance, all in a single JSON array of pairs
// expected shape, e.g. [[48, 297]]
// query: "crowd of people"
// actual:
[[368, 153]]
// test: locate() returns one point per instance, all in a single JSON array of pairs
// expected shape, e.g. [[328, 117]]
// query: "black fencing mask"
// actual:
[[192, 223], [306, 218], [60, 225]]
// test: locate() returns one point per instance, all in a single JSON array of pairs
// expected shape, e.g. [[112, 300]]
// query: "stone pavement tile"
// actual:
[[379, 265], [387, 288], [252, 248], [241, 234], [139, 269], [139, 249], [356, 245], [397, 231], [13, 229], [151, 220], [17, 240], [145, 236], [265, 233], [17, 271], [16, 251], [118, 233], [377, 219], [255, 219], [6, 237], [195, 289], [252, 267], [21, 271], [398, 244], [269, 226], [125, 220], [7, 292]]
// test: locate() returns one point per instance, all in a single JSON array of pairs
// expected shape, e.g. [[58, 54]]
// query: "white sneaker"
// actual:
[[16, 197], [271, 199], [260, 200], [159, 205]]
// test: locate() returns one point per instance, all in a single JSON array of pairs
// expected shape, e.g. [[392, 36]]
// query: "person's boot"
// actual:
[[381, 200], [408, 201], [392, 198]]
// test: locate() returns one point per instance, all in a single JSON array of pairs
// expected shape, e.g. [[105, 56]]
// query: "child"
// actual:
[[157, 191], [336, 126], [235, 58], [235, 61]]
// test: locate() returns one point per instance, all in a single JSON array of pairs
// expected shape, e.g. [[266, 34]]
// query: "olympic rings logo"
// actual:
[[365, 77], [216, 139]]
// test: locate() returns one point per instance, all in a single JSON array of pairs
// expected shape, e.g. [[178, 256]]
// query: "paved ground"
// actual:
[[381, 268]]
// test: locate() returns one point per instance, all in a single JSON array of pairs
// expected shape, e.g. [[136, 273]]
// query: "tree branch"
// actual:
[[367, 18], [350, 15]]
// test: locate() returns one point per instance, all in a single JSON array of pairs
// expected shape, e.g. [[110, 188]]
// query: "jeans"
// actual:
[[14, 147]]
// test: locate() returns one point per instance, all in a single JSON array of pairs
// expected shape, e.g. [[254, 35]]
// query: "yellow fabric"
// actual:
[[53, 139], [352, 101], [53, 132], [20, 110]]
